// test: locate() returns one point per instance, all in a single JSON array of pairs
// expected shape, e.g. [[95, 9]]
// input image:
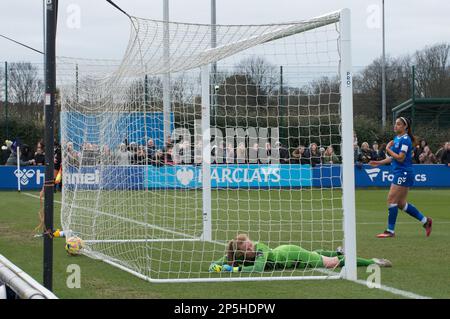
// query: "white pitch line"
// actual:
[[392, 290], [395, 291], [399, 223]]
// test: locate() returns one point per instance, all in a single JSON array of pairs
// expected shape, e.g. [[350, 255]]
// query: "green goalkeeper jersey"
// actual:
[[281, 257]]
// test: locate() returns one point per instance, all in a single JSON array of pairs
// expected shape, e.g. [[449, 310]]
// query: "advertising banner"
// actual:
[[222, 176]]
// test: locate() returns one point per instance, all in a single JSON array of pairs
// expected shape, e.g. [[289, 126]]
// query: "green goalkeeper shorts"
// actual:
[[293, 256]]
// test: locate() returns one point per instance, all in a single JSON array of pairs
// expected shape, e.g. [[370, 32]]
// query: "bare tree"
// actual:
[[263, 74], [25, 85], [367, 86], [184, 89], [432, 71]]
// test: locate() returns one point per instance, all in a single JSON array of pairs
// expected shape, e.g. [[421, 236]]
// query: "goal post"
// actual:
[[169, 154], [206, 153], [348, 173]]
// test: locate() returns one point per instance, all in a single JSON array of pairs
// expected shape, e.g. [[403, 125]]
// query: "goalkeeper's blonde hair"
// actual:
[[234, 251]]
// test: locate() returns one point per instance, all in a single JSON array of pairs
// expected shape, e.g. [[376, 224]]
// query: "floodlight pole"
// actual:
[[166, 76], [50, 96], [214, 64], [6, 100], [383, 73]]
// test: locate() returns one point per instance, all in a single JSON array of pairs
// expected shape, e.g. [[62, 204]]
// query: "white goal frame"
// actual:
[[348, 272]]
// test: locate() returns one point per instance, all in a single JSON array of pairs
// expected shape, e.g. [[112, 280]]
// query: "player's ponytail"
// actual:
[[407, 123]]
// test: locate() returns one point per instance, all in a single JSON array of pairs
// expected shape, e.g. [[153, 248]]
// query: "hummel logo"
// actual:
[[24, 176], [372, 173]]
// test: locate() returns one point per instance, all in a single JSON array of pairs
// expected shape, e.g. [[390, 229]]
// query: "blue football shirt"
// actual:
[[402, 144]]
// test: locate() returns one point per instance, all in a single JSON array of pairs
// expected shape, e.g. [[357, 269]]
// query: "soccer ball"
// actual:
[[74, 245]]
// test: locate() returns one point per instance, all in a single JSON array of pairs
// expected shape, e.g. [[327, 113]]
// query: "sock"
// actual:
[[392, 219], [414, 212], [360, 262]]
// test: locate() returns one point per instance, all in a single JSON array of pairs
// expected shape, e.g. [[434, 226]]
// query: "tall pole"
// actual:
[[214, 64], [166, 77], [44, 8], [348, 170], [213, 31], [383, 73], [76, 83], [145, 92], [413, 93], [206, 154], [50, 90], [6, 100], [281, 109]]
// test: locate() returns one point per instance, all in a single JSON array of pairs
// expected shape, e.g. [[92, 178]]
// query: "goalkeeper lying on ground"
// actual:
[[245, 256]]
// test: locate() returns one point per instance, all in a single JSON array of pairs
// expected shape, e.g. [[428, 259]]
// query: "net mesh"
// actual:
[[133, 150]]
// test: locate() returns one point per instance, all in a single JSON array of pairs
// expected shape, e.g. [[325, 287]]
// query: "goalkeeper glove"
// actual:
[[215, 268], [229, 268]]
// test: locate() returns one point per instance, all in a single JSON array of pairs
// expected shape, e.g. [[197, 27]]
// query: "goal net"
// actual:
[[203, 132]]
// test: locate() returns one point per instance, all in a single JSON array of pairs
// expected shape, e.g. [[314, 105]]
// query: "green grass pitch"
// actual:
[[420, 263]]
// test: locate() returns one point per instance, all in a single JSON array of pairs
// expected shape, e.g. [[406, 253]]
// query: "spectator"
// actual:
[[379, 153], [25, 153], [423, 143], [6, 152], [253, 154], [268, 153], [445, 158], [322, 151], [39, 155], [168, 156], [133, 148], [90, 154], [427, 157], [355, 139], [229, 154], [12, 159], [356, 155], [151, 150], [123, 155], [299, 156], [419, 150], [329, 157], [142, 156], [106, 157], [439, 153], [366, 154], [158, 160], [217, 153], [198, 152], [314, 154], [283, 152], [241, 153], [168, 144], [71, 156]]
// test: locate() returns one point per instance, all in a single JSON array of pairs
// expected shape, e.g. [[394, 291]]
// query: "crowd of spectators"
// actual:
[[422, 153], [131, 153], [28, 156]]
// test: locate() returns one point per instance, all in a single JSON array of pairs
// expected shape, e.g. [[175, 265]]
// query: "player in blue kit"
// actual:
[[400, 155]]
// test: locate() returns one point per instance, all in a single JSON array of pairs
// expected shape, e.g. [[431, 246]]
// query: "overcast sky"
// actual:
[[102, 32]]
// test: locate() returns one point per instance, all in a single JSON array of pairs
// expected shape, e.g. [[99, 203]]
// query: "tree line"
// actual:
[[253, 94]]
